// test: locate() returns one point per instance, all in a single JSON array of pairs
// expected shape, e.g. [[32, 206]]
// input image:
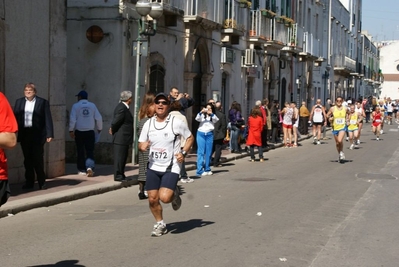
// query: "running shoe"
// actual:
[[209, 173], [89, 172], [347, 139], [186, 180], [341, 156], [382, 131], [358, 142], [159, 229], [378, 139], [176, 202], [352, 146], [314, 140], [318, 142], [261, 160]]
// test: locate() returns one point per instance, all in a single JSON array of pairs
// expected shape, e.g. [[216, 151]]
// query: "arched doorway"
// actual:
[[157, 79]]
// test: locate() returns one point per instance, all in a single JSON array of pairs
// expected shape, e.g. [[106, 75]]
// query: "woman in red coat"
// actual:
[[255, 127]]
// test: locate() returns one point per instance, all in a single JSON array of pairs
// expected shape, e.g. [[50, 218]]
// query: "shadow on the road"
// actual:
[[66, 263], [344, 161], [182, 227]]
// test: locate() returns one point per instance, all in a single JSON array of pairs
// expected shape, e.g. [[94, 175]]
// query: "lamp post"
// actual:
[[140, 48]]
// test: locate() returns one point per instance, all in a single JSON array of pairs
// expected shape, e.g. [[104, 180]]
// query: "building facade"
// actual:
[[228, 50]]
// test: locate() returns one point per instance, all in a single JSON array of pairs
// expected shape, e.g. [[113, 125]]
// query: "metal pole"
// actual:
[[136, 97]]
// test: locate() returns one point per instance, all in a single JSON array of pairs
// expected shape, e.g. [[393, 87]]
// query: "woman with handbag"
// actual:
[[236, 121]]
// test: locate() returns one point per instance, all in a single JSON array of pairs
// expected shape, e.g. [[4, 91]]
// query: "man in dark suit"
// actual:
[[35, 128], [122, 134]]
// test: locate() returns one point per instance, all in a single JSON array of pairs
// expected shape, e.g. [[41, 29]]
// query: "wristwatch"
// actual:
[[184, 153]]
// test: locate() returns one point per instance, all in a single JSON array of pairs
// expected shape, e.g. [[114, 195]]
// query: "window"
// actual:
[[157, 78]]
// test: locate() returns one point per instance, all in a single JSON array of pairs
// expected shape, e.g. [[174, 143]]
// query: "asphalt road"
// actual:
[[299, 208]]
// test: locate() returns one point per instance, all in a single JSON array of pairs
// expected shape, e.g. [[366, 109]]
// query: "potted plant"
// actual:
[[268, 13], [230, 24], [280, 19], [245, 4]]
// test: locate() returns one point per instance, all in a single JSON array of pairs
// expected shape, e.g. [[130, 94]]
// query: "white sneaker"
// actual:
[[204, 174], [314, 140], [358, 142], [89, 172], [377, 139], [159, 229], [82, 173], [352, 146], [187, 180], [382, 131], [341, 156], [318, 142], [209, 173], [347, 138]]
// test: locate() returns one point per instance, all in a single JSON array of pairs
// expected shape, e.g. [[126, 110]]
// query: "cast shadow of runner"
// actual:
[[343, 161], [66, 263], [182, 227]]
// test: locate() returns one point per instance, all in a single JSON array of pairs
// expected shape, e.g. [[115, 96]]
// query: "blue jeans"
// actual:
[[204, 151], [234, 138], [252, 152]]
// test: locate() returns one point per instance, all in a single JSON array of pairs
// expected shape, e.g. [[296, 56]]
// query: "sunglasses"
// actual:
[[158, 102]]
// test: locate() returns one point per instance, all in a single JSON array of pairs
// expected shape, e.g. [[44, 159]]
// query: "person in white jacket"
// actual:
[[85, 123], [207, 118]]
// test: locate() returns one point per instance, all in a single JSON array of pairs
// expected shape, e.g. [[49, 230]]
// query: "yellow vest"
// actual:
[[353, 122], [339, 118]]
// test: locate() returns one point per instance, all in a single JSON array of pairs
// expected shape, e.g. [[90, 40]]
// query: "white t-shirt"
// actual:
[[164, 140]]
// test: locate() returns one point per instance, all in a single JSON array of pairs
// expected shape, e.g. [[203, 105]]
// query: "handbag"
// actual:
[[240, 123], [227, 138]]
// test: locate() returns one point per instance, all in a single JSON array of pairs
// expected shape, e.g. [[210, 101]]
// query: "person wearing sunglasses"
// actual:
[[338, 113], [162, 135]]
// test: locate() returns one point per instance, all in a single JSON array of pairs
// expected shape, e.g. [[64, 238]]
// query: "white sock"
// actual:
[[161, 222]]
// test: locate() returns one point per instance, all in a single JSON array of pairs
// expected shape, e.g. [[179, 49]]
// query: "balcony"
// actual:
[[261, 28], [234, 21], [204, 11], [311, 46], [171, 7], [344, 64]]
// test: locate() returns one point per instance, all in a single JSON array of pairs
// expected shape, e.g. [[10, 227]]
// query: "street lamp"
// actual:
[[155, 11]]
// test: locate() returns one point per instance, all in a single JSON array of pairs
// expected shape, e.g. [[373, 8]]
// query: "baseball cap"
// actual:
[[82, 94], [162, 95]]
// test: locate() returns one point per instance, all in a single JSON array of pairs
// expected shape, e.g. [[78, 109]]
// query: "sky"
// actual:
[[381, 19]]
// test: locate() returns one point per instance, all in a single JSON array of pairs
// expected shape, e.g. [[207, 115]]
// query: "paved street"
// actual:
[[299, 208]]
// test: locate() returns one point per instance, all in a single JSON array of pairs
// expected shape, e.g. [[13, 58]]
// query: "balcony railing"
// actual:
[[261, 27], [311, 45], [350, 64], [281, 33], [171, 4], [207, 9], [342, 62], [234, 17]]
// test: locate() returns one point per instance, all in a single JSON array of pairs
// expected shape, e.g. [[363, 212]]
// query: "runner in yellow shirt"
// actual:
[[338, 113], [352, 121]]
